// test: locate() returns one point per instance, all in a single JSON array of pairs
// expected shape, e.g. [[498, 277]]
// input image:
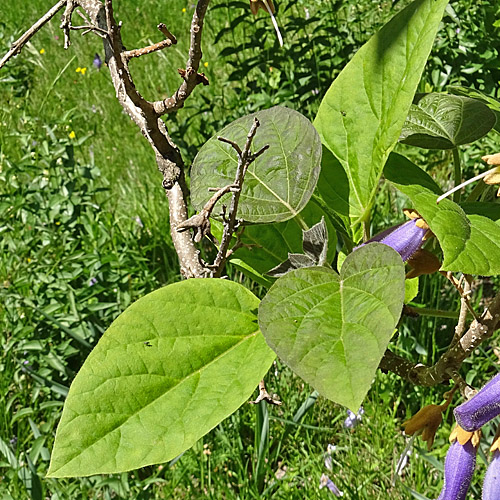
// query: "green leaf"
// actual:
[[489, 210], [411, 289], [491, 102], [270, 244], [470, 244], [333, 330], [442, 121], [279, 183], [169, 369], [361, 115]]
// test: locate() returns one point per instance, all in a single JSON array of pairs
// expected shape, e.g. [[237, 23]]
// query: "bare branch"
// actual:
[[100, 19], [24, 39], [163, 28], [66, 21], [245, 158], [450, 362], [129, 54], [191, 79], [201, 222]]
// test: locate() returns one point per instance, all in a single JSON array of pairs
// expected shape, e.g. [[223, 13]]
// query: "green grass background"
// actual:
[[84, 232]]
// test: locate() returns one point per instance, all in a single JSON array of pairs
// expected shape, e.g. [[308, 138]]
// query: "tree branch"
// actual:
[[25, 37], [245, 158], [451, 361], [191, 78]]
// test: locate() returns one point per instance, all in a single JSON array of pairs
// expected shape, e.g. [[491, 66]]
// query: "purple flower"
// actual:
[[326, 481], [458, 469], [353, 419], [481, 408], [13, 441], [92, 281], [491, 485], [97, 62], [405, 238]]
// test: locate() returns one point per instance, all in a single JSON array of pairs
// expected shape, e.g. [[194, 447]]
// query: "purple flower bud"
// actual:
[[92, 281], [491, 485], [481, 408], [458, 469], [97, 62], [405, 238]]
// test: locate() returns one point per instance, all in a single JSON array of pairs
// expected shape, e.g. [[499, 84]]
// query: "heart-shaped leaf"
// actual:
[[361, 115], [333, 330], [470, 244], [279, 183], [442, 121], [169, 369]]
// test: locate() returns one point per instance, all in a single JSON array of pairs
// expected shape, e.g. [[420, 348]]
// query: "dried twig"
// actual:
[[200, 222], [245, 158], [191, 79], [25, 37], [265, 396], [464, 303], [465, 296], [168, 42]]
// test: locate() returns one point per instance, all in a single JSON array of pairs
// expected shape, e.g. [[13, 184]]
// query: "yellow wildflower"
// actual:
[[42, 51], [205, 64], [72, 134], [184, 10]]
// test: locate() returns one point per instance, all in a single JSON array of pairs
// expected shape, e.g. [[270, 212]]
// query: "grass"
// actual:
[[84, 233]]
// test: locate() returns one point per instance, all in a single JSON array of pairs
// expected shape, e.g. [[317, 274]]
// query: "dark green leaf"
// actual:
[[279, 183], [491, 102], [442, 121]]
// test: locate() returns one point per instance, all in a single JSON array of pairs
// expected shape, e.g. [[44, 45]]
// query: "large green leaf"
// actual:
[[169, 369], [333, 330], [279, 183], [470, 244], [442, 121], [361, 115]]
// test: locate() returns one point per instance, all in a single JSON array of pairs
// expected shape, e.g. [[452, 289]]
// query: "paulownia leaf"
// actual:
[[491, 102], [169, 369], [442, 121], [361, 115], [279, 183], [333, 330], [470, 244]]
